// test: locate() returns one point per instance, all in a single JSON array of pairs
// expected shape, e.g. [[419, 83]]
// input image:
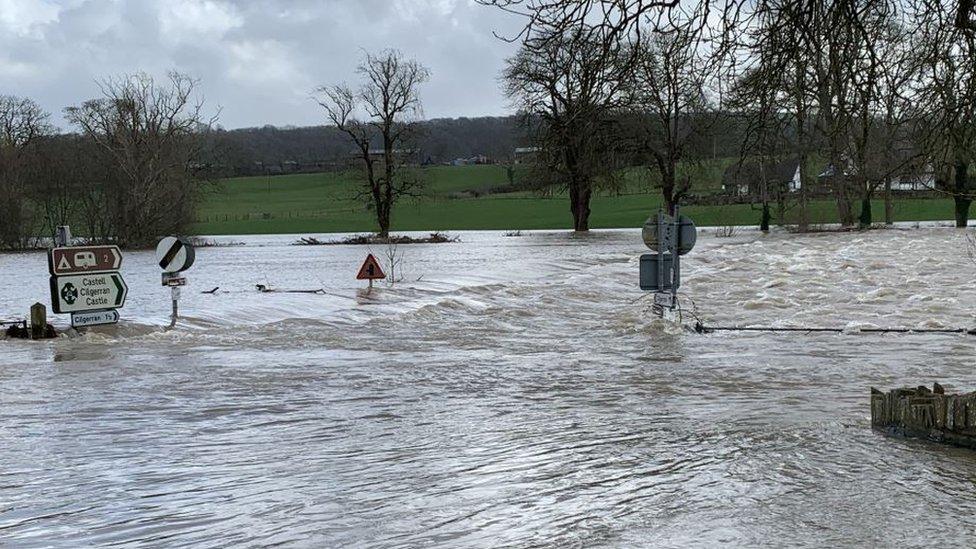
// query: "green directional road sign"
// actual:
[[89, 292]]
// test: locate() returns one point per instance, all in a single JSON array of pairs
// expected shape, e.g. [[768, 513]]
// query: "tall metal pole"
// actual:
[[661, 250], [175, 294], [675, 262]]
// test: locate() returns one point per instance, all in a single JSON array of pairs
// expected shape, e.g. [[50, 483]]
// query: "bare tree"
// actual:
[[389, 98], [950, 86], [149, 134], [569, 92], [880, 104], [899, 112], [22, 124], [830, 48], [760, 97], [605, 21], [394, 263], [770, 94], [802, 56], [966, 16], [842, 72], [673, 90], [595, 56]]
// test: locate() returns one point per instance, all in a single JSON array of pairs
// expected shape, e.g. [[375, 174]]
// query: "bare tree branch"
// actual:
[[389, 98]]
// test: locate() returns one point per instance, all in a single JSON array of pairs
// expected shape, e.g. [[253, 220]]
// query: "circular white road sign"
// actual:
[[174, 254]]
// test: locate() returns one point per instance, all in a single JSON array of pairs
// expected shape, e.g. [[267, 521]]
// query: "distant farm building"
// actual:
[[380, 154], [914, 180], [292, 166], [746, 178], [402, 156], [913, 177], [525, 154], [479, 159]]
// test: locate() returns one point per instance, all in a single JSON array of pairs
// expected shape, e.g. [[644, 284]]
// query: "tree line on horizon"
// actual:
[[137, 160], [867, 86]]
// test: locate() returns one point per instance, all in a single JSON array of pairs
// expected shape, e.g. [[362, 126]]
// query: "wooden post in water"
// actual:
[[923, 413], [62, 236], [38, 321]]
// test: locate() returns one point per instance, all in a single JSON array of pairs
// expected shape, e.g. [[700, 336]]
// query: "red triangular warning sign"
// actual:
[[370, 270]]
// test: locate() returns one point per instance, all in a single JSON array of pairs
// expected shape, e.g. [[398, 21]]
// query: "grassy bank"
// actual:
[[320, 203]]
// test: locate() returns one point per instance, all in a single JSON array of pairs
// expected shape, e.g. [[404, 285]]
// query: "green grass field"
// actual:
[[322, 203]]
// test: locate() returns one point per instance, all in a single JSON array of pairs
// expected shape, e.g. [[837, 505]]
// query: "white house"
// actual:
[[746, 178], [915, 180]]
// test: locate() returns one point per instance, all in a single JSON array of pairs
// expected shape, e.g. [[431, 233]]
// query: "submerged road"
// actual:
[[510, 391]]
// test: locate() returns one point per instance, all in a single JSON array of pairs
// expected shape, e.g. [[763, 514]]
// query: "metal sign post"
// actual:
[[175, 296], [175, 281], [662, 226], [671, 237], [675, 246], [174, 255]]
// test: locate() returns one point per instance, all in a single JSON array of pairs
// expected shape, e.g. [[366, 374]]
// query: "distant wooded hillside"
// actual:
[[253, 151], [493, 139]]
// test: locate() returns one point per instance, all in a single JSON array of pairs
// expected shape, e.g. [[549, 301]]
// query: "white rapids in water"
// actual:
[[508, 392]]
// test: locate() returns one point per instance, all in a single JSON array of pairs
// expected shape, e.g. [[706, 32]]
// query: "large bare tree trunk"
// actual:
[[889, 204], [765, 217], [865, 219], [385, 205], [383, 220], [845, 202], [781, 198], [579, 200], [668, 191], [962, 197], [803, 216]]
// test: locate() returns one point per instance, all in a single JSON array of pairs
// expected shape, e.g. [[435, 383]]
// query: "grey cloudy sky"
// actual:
[[257, 59]]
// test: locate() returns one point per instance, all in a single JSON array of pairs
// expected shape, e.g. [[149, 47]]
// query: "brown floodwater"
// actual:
[[510, 391]]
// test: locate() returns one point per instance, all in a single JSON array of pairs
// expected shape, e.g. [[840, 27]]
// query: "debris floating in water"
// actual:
[[268, 290]]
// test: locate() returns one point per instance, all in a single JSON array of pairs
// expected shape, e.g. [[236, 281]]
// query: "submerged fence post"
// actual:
[[38, 321]]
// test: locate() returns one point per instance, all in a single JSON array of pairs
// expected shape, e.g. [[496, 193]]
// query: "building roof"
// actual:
[[750, 172], [380, 152]]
